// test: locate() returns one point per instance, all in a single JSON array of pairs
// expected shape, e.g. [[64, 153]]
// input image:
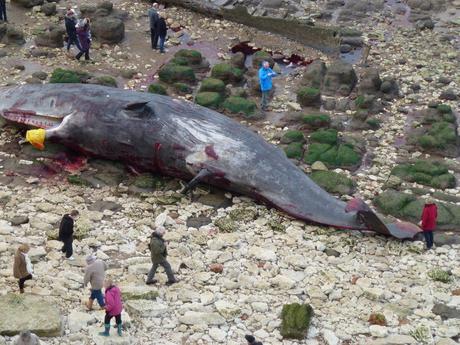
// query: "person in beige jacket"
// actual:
[[95, 275], [22, 267]]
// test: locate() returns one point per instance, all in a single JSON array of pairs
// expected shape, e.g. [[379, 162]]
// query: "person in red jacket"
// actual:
[[428, 222], [113, 307]]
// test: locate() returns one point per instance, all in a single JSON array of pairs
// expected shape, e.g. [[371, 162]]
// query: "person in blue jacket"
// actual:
[[265, 79]]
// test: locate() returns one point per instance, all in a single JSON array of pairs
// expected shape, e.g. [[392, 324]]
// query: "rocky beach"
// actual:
[[369, 109]]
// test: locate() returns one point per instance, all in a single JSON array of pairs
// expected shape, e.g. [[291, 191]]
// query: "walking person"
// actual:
[[3, 11], [22, 268], [265, 79], [71, 30], [95, 275], [153, 17], [84, 37], [113, 307], [428, 222], [158, 254], [161, 30], [66, 233]]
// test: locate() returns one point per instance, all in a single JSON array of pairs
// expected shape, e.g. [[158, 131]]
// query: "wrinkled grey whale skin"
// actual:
[[176, 138]]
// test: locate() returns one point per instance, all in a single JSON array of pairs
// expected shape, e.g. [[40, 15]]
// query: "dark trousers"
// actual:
[[86, 52], [22, 281], [428, 238], [162, 43], [3, 10], [73, 40], [108, 317], [67, 247], [154, 38], [167, 268]]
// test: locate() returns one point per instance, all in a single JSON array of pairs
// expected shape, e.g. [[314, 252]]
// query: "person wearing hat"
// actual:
[[70, 21], [158, 254], [153, 18], [428, 222], [95, 275]]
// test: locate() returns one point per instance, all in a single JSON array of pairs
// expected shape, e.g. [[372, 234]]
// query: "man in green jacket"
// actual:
[[158, 253]]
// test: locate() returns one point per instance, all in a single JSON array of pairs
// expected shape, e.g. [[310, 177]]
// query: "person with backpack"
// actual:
[[22, 267], [113, 307], [66, 233], [428, 222], [158, 254]]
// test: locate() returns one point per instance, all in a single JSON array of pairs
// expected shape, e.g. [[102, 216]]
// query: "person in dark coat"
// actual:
[[158, 254], [70, 23], [161, 29], [428, 222], [153, 17], [3, 11], [66, 233], [22, 266], [84, 36]]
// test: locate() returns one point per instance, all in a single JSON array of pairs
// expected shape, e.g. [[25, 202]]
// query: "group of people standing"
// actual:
[[158, 27], [78, 33], [3, 11], [95, 271]]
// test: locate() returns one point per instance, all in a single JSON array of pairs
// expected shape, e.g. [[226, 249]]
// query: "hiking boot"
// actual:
[[151, 282], [119, 330], [71, 258], [171, 282]]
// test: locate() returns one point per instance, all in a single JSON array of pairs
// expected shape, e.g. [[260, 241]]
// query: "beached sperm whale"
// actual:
[[181, 139]]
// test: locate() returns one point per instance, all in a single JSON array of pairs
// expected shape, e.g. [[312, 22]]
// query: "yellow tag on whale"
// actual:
[[36, 137]]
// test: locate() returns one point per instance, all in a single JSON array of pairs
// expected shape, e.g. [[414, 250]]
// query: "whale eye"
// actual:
[[139, 110]]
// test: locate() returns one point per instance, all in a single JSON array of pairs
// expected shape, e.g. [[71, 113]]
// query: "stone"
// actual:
[[78, 321], [314, 74], [378, 331], [108, 29], [135, 292], [295, 320], [146, 308], [198, 222], [446, 312], [201, 318], [49, 9], [319, 166], [28, 3], [264, 254], [330, 337], [19, 220], [340, 79], [395, 339], [218, 334], [37, 314], [216, 268], [227, 309], [52, 37], [449, 95]]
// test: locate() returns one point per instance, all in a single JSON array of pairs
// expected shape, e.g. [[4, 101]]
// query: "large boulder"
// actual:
[[10, 35], [28, 3], [314, 75], [49, 9], [340, 79], [31, 312], [52, 37], [370, 82], [108, 29]]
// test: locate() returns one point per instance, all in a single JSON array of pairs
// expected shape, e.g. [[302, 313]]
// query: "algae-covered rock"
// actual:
[[439, 136], [227, 73], [261, 56], [309, 96], [292, 136], [325, 136], [340, 78], [77, 180], [29, 312], [239, 105], [226, 224], [212, 85], [209, 99], [61, 75], [333, 182], [434, 174], [104, 80], [243, 214], [182, 88], [295, 320], [294, 150], [171, 73], [192, 57], [393, 202], [130, 292], [314, 75], [315, 121], [148, 181], [157, 89]]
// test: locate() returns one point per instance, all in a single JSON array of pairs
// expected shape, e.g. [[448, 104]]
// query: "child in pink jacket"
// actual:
[[113, 306]]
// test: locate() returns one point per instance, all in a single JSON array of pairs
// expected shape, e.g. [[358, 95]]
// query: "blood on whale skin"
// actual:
[[181, 139]]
